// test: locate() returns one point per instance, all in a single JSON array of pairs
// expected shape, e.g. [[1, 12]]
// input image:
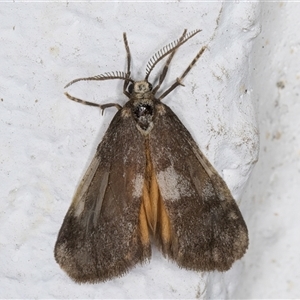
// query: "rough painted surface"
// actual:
[[272, 197], [48, 141]]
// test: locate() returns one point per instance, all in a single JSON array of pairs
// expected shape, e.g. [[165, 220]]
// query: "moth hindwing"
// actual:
[[148, 181]]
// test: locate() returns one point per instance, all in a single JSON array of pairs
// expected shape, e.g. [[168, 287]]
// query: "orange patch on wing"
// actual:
[[153, 214]]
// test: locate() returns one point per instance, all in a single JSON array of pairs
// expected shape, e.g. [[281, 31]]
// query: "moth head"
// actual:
[[140, 87]]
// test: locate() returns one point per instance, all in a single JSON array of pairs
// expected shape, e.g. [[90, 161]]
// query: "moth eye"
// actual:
[[130, 88], [150, 86]]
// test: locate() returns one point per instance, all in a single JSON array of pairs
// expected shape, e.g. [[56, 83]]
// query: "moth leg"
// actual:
[[102, 106], [127, 81], [179, 80]]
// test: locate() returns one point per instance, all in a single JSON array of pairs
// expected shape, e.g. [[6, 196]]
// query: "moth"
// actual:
[[148, 184]]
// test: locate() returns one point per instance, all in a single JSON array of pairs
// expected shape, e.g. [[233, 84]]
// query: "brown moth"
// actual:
[[148, 181]]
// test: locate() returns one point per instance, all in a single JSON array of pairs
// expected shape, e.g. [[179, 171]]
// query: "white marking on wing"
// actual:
[[172, 185], [138, 183], [208, 191]]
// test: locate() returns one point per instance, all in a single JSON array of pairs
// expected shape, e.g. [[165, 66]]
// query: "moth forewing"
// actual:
[[100, 235], [206, 223], [148, 179]]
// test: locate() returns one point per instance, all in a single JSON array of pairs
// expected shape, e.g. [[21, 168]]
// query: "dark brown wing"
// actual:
[[99, 238], [207, 229]]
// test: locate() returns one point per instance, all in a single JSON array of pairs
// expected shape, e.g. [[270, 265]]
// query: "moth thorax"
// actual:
[[143, 114]]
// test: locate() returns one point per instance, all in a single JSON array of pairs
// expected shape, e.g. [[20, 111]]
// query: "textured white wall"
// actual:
[[48, 141], [272, 262]]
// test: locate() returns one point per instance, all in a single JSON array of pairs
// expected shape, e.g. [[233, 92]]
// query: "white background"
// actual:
[[272, 264], [48, 141]]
